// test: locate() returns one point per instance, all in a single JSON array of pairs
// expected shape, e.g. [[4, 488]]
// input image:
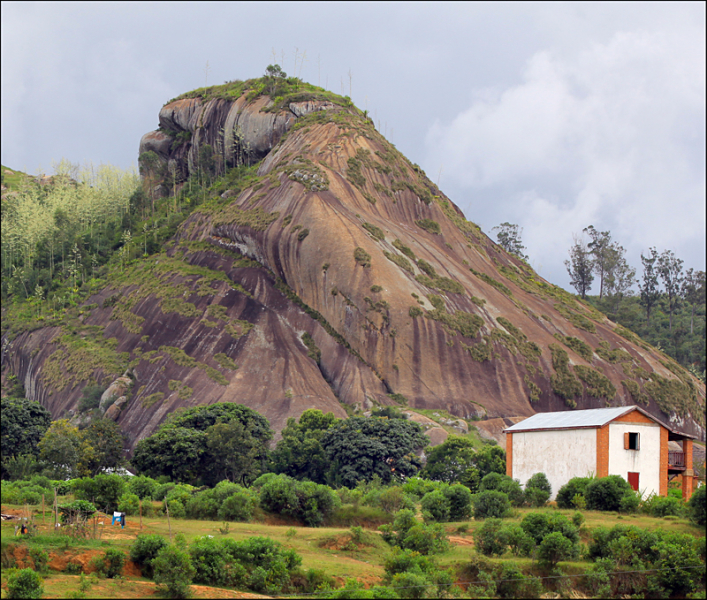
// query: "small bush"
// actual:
[[513, 584], [142, 486], [567, 493], [490, 504], [24, 583], [173, 571], [435, 506], [40, 559], [238, 507], [606, 493], [490, 538], [129, 504], [539, 481], [554, 548], [459, 498], [697, 506], [111, 564], [145, 549]]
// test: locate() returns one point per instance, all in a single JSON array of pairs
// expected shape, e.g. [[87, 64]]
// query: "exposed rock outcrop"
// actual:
[[342, 276]]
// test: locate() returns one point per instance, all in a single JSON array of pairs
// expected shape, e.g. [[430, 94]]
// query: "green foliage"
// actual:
[[404, 249], [81, 509], [539, 481], [375, 231], [257, 563], [239, 506], [145, 549], [206, 444], [490, 538], [580, 347], [111, 564], [606, 493], [129, 504], [306, 501], [362, 257], [563, 382], [697, 506], [40, 559], [401, 261], [360, 448], [104, 490], [141, 486], [173, 571], [539, 525], [91, 397], [598, 385], [299, 453], [512, 583], [435, 506], [407, 533], [554, 548], [24, 583], [659, 506], [575, 486], [415, 311], [490, 504], [671, 561], [429, 225], [23, 425], [106, 441], [491, 281]]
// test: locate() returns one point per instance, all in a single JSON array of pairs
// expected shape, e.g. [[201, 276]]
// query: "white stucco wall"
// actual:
[[645, 461], [561, 455]]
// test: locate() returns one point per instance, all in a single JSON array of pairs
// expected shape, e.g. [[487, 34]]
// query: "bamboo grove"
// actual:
[[57, 230]]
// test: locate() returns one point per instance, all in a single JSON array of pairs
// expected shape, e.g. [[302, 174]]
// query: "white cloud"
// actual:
[[605, 136]]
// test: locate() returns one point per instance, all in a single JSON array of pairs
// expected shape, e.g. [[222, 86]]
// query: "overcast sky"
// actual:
[[552, 116]]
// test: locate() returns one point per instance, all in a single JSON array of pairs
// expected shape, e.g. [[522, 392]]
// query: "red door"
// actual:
[[633, 481]]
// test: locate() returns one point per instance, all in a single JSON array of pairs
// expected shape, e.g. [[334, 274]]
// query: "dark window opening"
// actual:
[[633, 443]]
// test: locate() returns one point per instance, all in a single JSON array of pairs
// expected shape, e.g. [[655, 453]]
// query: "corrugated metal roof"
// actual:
[[569, 419]]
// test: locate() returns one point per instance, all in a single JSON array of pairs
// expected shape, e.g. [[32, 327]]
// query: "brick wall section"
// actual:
[[635, 417], [687, 478], [663, 462], [509, 454], [603, 451]]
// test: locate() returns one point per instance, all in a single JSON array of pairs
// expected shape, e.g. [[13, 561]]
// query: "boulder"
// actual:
[[118, 388]]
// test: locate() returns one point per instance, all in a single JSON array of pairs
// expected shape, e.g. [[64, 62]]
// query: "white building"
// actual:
[[624, 440]]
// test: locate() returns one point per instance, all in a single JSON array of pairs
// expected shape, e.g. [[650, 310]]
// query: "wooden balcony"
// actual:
[[676, 460]]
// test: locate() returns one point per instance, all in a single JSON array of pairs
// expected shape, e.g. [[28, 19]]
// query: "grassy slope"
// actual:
[[321, 548]]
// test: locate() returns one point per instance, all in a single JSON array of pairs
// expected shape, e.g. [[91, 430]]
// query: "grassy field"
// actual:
[[326, 548]]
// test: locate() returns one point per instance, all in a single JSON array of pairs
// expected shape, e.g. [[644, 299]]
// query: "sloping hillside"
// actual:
[[337, 277]]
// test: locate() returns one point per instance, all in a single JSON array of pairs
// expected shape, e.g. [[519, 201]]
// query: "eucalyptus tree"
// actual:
[[649, 287], [669, 269], [580, 267]]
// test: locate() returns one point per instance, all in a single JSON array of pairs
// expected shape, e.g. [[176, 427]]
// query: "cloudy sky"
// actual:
[[552, 116]]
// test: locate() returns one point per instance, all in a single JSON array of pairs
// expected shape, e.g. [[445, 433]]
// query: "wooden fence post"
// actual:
[[56, 509]]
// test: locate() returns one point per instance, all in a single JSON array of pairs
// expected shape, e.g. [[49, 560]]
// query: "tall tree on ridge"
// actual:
[[508, 237], [693, 291], [603, 253], [650, 292], [579, 267], [669, 269]]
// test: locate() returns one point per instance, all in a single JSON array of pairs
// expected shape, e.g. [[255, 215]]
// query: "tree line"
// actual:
[[665, 304]]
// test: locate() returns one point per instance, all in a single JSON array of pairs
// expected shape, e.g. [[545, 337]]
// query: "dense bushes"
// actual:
[[408, 533], [611, 493], [490, 504], [173, 571], [308, 502], [257, 563], [697, 506], [24, 583], [567, 496], [144, 551], [634, 561]]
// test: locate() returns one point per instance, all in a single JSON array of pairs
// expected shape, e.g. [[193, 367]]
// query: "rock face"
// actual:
[[342, 276]]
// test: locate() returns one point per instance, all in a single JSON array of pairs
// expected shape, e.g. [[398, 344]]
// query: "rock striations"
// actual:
[[341, 276]]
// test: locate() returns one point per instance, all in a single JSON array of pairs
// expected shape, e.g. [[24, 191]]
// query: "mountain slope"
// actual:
[[340, 275]]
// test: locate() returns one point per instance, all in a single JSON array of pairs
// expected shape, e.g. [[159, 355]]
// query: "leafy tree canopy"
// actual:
[[205, 444], [23, 424], [360, 448], [299, 453]]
